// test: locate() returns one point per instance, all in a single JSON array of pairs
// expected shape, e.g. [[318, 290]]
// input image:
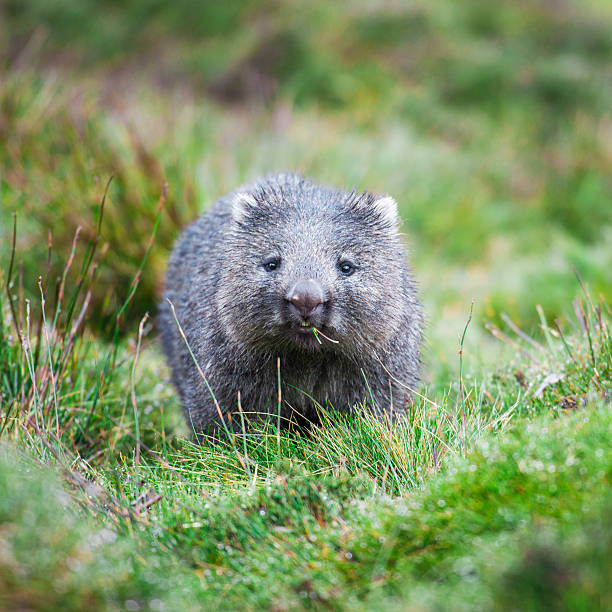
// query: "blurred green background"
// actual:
[[490, 125]]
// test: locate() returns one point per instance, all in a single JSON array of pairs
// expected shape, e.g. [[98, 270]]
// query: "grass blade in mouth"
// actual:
[[316, 333]]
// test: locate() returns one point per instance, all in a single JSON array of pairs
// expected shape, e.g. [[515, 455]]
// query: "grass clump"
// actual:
[[55, 556], [460, 543], [478, 534]]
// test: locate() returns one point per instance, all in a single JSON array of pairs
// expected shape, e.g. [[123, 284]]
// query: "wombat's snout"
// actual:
[[306, 298]]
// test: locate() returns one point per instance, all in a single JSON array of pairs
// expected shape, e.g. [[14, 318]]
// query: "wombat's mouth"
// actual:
[[308, 335], [304, 329]]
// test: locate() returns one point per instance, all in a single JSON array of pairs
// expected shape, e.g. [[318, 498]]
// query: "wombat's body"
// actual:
[[267, 263]]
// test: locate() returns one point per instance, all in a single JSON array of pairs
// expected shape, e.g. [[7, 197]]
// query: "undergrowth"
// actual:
[[355, 512]]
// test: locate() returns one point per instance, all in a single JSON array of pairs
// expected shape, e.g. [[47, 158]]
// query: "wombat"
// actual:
[[286, 269]]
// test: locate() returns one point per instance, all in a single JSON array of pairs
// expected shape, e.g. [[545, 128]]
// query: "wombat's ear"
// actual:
[[242, 203], [386, 207]]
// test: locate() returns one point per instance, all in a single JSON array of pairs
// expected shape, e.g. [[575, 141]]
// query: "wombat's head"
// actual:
[[301, 256]]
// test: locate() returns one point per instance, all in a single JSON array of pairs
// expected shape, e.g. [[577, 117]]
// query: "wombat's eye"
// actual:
[[272, 264], [346, 267]]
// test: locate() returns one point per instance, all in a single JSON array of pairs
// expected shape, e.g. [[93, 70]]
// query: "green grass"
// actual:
[[522, 523], [472, 495], [490, 127]]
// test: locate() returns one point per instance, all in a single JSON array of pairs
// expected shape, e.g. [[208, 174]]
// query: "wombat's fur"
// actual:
[[251, 277]]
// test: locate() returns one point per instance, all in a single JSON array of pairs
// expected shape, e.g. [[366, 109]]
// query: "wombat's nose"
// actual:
[[306, 296]]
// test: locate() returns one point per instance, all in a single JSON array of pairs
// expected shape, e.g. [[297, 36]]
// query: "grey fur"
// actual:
[[233, 310]]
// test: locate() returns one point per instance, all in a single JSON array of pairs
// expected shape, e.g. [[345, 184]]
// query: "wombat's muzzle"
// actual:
[[306, 300]]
